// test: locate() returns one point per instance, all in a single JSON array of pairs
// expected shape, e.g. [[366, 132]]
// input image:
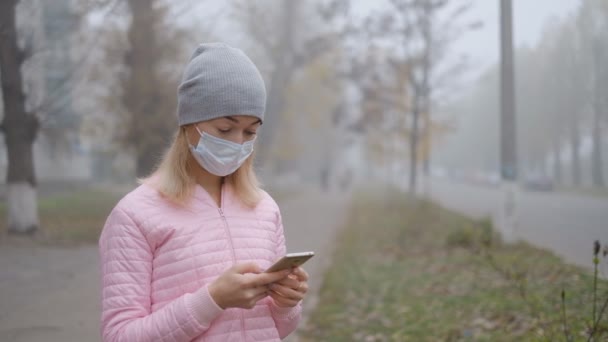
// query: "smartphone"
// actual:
[[290, 260]]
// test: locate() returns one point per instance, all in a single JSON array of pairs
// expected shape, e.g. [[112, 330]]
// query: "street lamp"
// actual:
[[508, 135]]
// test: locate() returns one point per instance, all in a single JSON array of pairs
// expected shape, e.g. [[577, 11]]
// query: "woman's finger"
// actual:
[[259, 290], [300, 273], [282, 301], [261, 295], [289, 282], [287, 292], [302, 287]]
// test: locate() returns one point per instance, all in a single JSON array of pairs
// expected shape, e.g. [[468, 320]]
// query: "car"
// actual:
[[538, 183]]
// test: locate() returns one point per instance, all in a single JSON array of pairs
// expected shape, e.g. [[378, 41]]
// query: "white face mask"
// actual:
[[218, 156]]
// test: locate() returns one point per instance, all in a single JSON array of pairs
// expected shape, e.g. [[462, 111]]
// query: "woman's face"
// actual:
[[236, 128]]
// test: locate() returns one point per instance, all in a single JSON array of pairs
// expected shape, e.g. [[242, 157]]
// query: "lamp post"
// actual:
[[508, 135]]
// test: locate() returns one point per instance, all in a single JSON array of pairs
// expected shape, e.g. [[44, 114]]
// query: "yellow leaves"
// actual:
[[310, 100], [313, 93], [289, 146], [390, 143]]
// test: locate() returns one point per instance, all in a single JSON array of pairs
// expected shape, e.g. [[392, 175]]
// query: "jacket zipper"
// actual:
[[221, 211]]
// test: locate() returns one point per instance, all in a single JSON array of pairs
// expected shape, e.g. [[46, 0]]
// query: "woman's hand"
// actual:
[[289, 291], [243, 285]]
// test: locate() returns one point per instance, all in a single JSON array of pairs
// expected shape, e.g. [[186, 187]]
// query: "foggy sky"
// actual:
[[529, 20]]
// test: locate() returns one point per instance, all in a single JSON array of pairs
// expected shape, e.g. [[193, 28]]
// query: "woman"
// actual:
[[183, 255]]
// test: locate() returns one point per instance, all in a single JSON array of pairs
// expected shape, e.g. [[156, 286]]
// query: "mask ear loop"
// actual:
[[187, 138]]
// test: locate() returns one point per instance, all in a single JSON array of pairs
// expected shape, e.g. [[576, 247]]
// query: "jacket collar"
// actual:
[[201, 195]]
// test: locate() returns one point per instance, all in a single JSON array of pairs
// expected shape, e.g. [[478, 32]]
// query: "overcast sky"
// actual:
[[529, 20], [530, 17]]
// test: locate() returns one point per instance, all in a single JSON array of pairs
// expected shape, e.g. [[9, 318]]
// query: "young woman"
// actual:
[[183, 255]]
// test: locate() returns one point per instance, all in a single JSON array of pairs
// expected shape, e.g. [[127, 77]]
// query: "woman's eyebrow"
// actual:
[[235, 120]]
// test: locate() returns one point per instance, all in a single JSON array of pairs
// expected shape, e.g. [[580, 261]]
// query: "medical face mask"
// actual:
[[218, 156]]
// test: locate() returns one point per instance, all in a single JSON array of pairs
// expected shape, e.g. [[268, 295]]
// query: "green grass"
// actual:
[[407, 270], [75, 217], [79, 216]]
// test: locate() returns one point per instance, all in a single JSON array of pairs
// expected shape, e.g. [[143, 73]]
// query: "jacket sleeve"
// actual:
[[286, 319], [126, 268]]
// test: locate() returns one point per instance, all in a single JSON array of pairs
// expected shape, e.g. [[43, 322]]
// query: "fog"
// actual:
[[391, 94]]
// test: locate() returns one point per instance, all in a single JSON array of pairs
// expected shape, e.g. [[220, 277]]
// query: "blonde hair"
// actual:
[[173, 176]]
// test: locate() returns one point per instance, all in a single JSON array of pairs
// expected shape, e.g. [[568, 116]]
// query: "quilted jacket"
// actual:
[[157, 260]]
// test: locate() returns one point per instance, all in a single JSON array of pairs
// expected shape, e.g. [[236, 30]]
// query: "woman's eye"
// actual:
[[223, 130], [249, 133]]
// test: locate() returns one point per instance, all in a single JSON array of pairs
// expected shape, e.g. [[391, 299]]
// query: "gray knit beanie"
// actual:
[[220, 81]]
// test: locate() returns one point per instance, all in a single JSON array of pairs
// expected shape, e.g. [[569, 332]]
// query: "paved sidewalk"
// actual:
[[311, 221], [49, 294]]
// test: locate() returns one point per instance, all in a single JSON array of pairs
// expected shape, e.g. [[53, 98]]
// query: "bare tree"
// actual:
[[19, 126], [146, 95], [570, 94], [22, 124], [304, 35], [593, 25], [423, 43]]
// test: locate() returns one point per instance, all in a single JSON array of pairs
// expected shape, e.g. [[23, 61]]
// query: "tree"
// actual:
[[29, 114], [593, 24], [423, 42], [135, 83], [144, 97], [570, 90], [305, 33], [19, 126]]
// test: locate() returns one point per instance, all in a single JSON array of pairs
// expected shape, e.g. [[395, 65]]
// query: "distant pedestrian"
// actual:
[[183, 254]]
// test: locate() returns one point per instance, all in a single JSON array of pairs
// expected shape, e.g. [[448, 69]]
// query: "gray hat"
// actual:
[[220, 81]]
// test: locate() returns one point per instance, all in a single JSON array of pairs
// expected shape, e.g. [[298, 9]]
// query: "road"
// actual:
[[564, 223]]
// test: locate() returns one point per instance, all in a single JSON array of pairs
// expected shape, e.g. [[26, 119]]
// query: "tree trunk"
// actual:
[[426, 166], [150, 125], [425, 87], [597, 170], [597, 166], [147, 158], [414, 145], [19, 128], [557, 162], [279, 80], [274, 109], [576, 158], [426, 163]]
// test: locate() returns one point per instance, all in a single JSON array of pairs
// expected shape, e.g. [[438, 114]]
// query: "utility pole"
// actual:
[[508, 135]]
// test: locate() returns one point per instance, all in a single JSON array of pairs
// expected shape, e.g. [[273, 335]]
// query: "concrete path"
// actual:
[[51, 294], [311, 221]]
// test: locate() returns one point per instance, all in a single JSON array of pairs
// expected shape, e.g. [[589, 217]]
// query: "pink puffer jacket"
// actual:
[[157, 260]]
